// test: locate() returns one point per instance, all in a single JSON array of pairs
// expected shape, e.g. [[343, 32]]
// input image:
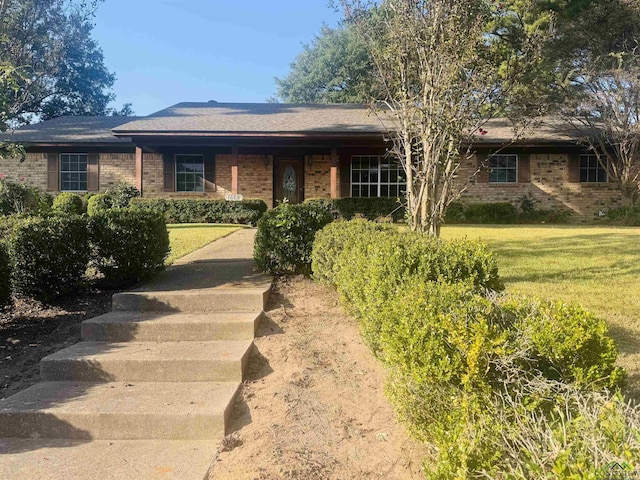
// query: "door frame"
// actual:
[[276, 174]]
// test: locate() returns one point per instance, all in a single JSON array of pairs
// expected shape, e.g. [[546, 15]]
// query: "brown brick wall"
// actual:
[[116, 168], [317, 176], [33, 171], [255, 177], [549, 185]]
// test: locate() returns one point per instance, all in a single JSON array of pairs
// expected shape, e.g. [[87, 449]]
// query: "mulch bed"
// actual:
[[30, 331]]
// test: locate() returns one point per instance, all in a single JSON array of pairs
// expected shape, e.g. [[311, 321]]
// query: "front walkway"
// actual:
[[148, 392]]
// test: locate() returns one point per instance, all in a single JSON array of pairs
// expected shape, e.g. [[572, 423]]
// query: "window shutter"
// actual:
[[524, 168], [210, 172], [169, 173], [53, 173], [574, 168], [483, 169], [93, 172]]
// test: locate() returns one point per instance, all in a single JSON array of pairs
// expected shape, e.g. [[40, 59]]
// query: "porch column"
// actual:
[[335, 161], [234, 170], [139, 168]]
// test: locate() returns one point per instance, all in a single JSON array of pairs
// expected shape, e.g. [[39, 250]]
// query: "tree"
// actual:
[[444, 67], [335, 68], [602, 95], [49, 64]]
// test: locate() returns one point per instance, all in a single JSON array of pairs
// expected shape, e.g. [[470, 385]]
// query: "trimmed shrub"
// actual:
[[629, 216], [504, 213], [122, 194], [566, 342], [203, 210], [369, 208], [370, 271], [332, 240], [129, 246], [68, 203], [49, 256], [98, 204], [5, 277], [17, 198], [284, 240]]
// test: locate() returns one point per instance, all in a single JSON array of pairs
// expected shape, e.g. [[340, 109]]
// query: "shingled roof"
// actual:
[[77, 130], [255, 118]]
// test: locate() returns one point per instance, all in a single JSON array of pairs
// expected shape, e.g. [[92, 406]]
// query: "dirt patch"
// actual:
[[30, 331], [313, 405]]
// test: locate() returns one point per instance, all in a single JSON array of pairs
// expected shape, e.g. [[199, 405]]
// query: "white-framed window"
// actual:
[[376, 176], [591, 170], [189, 173], [73, 172], [503, 168]]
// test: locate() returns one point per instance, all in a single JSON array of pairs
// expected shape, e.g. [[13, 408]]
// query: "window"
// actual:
[[73, 172], [189, 173], [591, 171], [376, 176], [503, 168]]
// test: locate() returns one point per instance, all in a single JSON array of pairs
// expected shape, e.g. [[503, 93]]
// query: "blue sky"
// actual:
[[169, 51]]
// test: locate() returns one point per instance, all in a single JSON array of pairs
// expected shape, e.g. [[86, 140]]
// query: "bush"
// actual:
[[122, 194], [566, 343], [5, 277], [49, 256], [332, 240], [98, 204], [371, 270], [129, 246], [504, 213], [284, 240], [68, 203], [629, 216], [17, 198], [203, 210], [369, 208]]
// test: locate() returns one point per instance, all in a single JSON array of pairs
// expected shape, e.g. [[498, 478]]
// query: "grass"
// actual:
[[596, 267], [188, 237]]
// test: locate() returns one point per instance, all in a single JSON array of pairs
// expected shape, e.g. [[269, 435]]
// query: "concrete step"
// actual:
[[158, 327], [214, 300], [119, 411], [222, 361], [26, 459]]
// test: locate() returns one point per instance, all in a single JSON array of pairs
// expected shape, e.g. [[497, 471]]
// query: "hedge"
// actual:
[[369, 208], [128, 245], [17, 198], [478, 375], [629, 216], [285, 235], [48, 256], [203, 210], [503, 213]]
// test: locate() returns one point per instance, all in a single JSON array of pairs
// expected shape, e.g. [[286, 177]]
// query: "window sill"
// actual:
[[509, 184]]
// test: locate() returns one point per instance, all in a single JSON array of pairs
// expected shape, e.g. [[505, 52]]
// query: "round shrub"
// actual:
[[17, 198], [284, 240], [129, 246], [98, 204], [5, 277], [121, 195], [68, 204], [49, 256]]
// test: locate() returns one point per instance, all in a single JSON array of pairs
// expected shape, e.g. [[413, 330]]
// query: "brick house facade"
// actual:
[[272, 151]]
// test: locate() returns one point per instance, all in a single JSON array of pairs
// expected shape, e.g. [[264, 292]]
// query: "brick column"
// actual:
[[234, 170], [139, 168], [335, 161]]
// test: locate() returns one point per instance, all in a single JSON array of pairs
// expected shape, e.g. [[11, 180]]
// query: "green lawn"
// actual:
[[597, 267], [185, 238]]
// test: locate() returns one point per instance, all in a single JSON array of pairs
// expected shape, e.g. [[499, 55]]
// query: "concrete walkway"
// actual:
[[148, 392]]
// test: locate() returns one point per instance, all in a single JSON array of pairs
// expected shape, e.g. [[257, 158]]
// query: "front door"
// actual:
[[289, 179]]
